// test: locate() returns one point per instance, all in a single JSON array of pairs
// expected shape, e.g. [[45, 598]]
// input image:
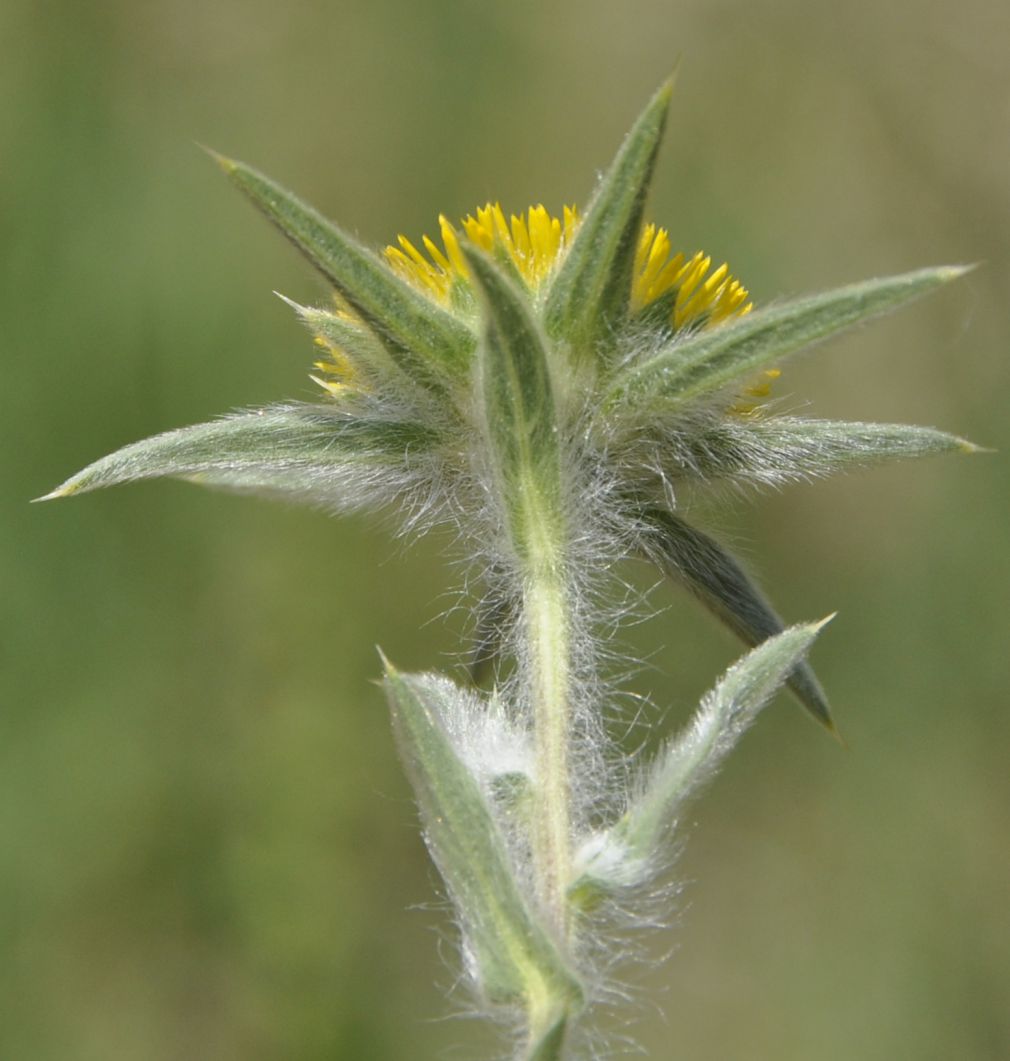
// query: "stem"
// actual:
[[525, 446], [547, 632]]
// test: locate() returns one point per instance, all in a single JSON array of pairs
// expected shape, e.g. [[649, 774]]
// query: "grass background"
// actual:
[[207, 849]]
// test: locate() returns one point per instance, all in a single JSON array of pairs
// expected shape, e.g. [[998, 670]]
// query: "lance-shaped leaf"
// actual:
[[632, 850], [304, 450], [519, 412], [780, 449], [712, 358], [591, 291], [724, 714], [424, 340], [515, 958], [715, 578]]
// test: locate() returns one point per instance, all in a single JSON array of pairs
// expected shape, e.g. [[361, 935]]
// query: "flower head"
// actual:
[[530, 248], [650, 365], [670, 289]]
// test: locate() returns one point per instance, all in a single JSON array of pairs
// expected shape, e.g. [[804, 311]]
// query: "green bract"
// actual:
[[547, 387]]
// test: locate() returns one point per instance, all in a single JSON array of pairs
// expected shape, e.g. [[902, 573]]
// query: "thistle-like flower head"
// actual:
[[579, 354], [547, 385]]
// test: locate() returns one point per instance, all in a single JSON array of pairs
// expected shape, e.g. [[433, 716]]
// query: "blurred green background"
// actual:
[[207, 849]]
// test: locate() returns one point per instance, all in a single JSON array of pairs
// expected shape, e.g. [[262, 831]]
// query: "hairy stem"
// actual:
[[548, 636], [547, 631]]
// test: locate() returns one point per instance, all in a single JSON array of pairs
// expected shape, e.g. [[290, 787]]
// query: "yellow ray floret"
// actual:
[[531, 244], [534, 243], [700, 296]]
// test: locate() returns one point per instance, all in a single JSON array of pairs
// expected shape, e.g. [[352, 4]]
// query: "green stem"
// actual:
[[548, 637], [525, 440]]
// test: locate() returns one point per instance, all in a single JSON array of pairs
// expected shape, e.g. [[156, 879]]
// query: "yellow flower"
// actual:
[[530, 246], [701, 297]]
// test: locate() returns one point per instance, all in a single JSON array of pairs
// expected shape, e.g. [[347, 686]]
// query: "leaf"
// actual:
[[516, 958], [518, 410], [591, 290], [428, 343], [632, 851], [710, 359], [724, 714], [780, 449], [716, 579], [306, 450]]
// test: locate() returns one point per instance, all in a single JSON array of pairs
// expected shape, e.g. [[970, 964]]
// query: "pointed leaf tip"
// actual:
[[67, 489], [228, 165], [664, 93], [296, 306], [955, 272]]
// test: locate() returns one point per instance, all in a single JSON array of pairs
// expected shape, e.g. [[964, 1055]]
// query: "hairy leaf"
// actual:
[[783, 447], [775, 450], [305, 450], [633, 850], [516, 958], [518, 410], [716, 579], [693, 757], [591, 290], [710, 359]]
